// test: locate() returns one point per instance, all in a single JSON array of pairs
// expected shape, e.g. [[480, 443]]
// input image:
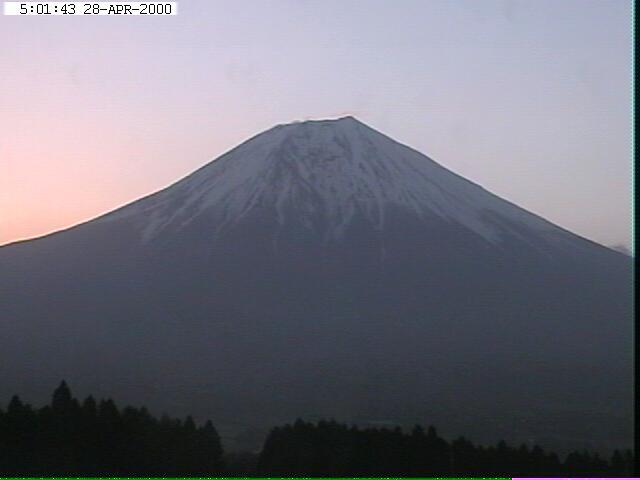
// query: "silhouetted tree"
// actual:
[[330, 449], [61, 402], [69, 439]]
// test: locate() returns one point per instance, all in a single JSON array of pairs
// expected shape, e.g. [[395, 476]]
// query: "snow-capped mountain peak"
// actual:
[[328, 172]]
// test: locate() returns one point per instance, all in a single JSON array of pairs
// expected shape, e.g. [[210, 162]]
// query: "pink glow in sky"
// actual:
[[530, 99]]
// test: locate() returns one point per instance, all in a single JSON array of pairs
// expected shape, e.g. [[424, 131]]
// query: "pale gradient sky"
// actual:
[[530, 99]]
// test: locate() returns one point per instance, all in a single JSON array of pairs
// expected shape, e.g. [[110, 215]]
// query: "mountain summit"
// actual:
[[323, 269], [326, 174]]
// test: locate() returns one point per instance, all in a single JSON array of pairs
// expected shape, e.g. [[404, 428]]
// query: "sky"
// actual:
[[530, 99]]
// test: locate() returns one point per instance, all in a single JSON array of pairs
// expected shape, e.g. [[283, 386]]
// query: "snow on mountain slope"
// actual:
[[329, 169]]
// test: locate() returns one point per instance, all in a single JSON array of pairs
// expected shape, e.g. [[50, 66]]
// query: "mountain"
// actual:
[[622, 249], [321, 269]]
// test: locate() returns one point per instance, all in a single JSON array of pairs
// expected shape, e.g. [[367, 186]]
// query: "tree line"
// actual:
[[73, 438], [332, 449], [69, 438]]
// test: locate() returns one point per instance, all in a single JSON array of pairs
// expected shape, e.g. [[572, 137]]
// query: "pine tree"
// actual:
[[61, 400]]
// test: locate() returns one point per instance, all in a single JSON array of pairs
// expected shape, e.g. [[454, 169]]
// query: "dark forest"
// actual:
[[72, 438]]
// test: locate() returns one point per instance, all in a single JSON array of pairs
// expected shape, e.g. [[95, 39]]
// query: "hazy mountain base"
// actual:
[[358, 354]]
